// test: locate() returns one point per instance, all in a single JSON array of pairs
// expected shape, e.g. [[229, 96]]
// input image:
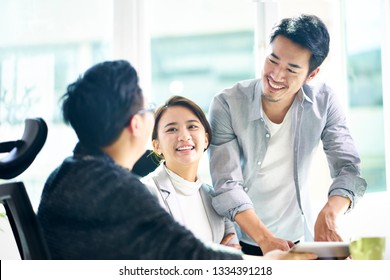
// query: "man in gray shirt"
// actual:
[[265, 132]]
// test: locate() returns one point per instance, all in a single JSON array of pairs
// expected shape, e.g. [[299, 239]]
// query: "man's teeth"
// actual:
[[275, 86], [185, 148]]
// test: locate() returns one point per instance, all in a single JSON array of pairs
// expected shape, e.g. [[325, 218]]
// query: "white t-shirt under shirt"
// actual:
[[276, 186], [191, 205]]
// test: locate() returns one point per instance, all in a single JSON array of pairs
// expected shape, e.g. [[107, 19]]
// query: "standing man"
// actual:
[[265, 132]]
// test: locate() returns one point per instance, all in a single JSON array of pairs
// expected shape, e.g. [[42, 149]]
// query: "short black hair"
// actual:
[[102, 101], [307, 31]]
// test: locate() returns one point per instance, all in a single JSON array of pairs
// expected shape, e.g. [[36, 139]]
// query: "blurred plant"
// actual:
[[3, 215]]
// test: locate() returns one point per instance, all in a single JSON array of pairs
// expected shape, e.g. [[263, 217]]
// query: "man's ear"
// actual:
[[134, 125], [312, 74]]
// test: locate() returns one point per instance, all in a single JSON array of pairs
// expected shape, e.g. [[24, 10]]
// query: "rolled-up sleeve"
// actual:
[[342, 155]]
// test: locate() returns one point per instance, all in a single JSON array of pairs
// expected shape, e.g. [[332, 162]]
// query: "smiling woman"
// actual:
[[181, 135]]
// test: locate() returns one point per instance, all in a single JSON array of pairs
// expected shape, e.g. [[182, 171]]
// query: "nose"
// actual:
[[184, 136], [277, 74]]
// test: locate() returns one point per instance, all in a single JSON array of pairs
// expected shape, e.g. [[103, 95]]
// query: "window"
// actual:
[[45, 46], [364, 33], [199, 47]]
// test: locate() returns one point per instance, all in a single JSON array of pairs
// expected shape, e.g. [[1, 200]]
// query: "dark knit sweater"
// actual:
[[92, 208]]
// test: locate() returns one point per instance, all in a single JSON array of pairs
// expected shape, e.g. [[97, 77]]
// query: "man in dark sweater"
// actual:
[[92, 205]]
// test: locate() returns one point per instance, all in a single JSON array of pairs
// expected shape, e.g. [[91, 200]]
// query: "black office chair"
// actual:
[[146, 164], [22, 218]]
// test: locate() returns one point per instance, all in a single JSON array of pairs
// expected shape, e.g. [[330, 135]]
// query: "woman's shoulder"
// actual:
[[154, 175], [150, 181]]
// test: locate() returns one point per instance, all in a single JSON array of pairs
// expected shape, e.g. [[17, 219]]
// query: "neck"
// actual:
[[122, 152], [187, 172], [276, 111]]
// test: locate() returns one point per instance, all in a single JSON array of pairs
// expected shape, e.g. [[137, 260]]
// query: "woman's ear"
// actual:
[[156, 146], [206, 141]]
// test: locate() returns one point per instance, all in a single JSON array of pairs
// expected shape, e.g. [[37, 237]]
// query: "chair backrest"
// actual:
[[21, 153], [22, 218], [146, 164], [24, 223]]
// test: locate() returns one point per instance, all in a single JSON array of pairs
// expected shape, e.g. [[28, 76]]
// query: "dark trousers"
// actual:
[[250, 249]]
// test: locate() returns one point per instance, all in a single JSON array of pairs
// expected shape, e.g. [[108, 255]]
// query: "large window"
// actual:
[[364, 36], [199, 66], [44, 46], [199, 47]]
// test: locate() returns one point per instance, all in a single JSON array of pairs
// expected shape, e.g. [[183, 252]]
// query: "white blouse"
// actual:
[[191, 205]]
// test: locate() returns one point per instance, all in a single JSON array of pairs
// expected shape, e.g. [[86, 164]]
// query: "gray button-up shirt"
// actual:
[[240, 140]]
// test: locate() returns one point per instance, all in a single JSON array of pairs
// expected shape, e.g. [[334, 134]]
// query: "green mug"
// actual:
[[368, 248]]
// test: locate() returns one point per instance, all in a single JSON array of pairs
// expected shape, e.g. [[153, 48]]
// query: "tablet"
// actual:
[[324, 250]]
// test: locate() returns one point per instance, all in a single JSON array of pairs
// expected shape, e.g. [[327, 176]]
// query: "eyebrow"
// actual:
[[175, 123], [291, 64]]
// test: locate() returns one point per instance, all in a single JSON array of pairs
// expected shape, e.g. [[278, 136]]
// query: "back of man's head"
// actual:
[[307, 31], [100, 103]]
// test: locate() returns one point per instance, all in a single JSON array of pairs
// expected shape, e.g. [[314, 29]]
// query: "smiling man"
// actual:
[[265, 132]]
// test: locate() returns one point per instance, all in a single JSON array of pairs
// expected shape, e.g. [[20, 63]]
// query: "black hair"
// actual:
[[101, 102], [307, 31]]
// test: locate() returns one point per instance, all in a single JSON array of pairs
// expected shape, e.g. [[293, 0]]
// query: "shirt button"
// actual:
[[246, 189], [267, 135], [262, 120], [259, 163]]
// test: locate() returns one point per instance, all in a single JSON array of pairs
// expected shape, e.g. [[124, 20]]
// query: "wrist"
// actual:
[[264, 236], [337, 205]]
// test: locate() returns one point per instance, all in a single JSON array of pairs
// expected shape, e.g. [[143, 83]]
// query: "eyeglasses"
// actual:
[[150, 108]]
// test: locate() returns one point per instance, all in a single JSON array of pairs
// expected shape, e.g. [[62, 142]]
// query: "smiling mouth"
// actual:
[[275, 86], [185, 148]]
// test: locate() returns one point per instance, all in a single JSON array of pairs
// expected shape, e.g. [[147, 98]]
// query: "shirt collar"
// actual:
[[303, 96], [255, 111], [83, 152]]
